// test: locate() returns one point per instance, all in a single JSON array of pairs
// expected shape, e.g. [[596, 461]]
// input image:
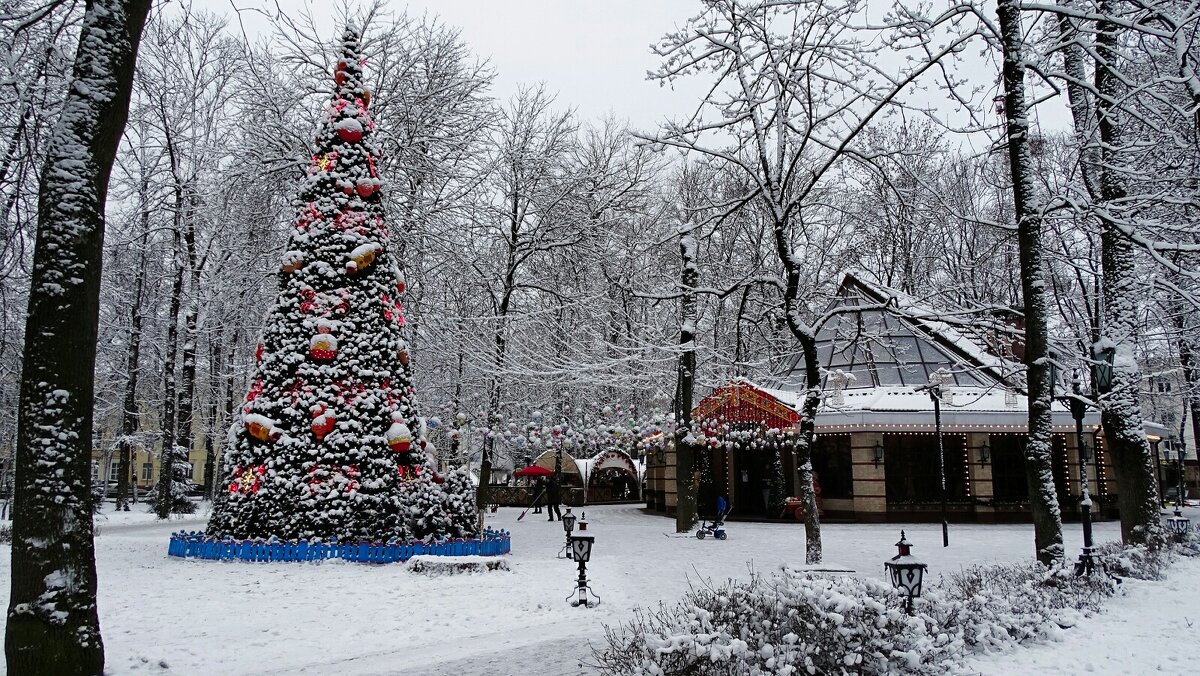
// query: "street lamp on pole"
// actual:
[[1182, 452], [1078, 405], [1158, 463], [1175, 448], [936, 380]]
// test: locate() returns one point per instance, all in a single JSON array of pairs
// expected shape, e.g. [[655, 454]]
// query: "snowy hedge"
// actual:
[[455, 565], [794, 622]]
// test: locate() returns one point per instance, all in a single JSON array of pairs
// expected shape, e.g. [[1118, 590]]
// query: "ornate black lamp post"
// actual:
[[1158, 463], [1078, 405], [1181, 456], [1177, 524], [581, 551], [906, 572], [568, 523], [1166, 456], [934, 388]]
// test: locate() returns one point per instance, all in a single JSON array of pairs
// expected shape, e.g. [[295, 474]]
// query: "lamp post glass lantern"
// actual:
[[568, 524], [878, 453], [581, 552], [581, 547], [906, 572], [985, 454]]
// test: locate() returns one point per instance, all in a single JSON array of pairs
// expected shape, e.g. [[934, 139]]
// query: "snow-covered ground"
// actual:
[[162, 615]]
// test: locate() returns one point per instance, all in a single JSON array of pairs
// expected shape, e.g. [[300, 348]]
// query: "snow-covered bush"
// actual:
[[180, 502], [1137, 562], [455, 565], [798, 622]]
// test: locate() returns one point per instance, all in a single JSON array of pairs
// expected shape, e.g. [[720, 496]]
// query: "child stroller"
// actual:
[[717, 527]]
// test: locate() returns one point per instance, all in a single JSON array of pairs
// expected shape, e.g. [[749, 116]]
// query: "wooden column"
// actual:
[[870, 490], [981, 477]]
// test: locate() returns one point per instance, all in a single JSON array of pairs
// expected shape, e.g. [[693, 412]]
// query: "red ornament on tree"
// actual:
[[349, 130], [368, 187], [399, 437], [323, 421], [323, 346]]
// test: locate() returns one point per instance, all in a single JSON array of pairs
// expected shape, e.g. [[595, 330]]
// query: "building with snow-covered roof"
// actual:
[[876, 455]]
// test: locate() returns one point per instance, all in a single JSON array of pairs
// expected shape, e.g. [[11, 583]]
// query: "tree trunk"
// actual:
[[162, 505], [495, 391], [1043, 496], [813, 549], [53, 626], [214, 420], [129, 416], [685, 437], [1121, 415], [187, 391]]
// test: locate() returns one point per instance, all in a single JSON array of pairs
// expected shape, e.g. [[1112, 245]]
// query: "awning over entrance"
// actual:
[[741, 401]]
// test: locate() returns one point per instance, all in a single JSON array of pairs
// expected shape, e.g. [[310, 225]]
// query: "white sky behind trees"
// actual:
[[593, 54]]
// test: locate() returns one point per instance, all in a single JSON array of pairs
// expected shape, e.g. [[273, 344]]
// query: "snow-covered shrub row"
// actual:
[[794, 622], [455, 565], [1137, 562]]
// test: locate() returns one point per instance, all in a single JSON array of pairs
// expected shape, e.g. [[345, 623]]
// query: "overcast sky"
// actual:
[[594, 54]]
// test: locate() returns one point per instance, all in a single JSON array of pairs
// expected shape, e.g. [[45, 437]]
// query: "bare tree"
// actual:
[[795, 85], [1047, 517]]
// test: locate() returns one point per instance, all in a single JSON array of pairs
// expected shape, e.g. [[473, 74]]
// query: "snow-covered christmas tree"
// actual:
[[327, 441]]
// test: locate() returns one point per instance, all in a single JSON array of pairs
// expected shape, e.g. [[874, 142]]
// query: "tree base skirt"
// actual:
[[195, 545]]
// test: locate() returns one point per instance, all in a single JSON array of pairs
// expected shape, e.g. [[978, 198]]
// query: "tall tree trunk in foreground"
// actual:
[[1043, 497], [1121, 413], [685, 436], [53, 626]]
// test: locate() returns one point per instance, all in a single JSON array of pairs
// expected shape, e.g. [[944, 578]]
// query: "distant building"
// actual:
[[876, 456]]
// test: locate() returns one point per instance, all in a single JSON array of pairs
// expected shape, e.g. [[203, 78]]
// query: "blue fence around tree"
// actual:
[[195, 545]]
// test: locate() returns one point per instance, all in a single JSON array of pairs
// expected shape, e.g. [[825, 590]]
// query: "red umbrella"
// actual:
[[533, 470]]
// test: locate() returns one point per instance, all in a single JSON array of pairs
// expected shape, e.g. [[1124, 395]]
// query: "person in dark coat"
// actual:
[[553, 498], [539, 493]]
